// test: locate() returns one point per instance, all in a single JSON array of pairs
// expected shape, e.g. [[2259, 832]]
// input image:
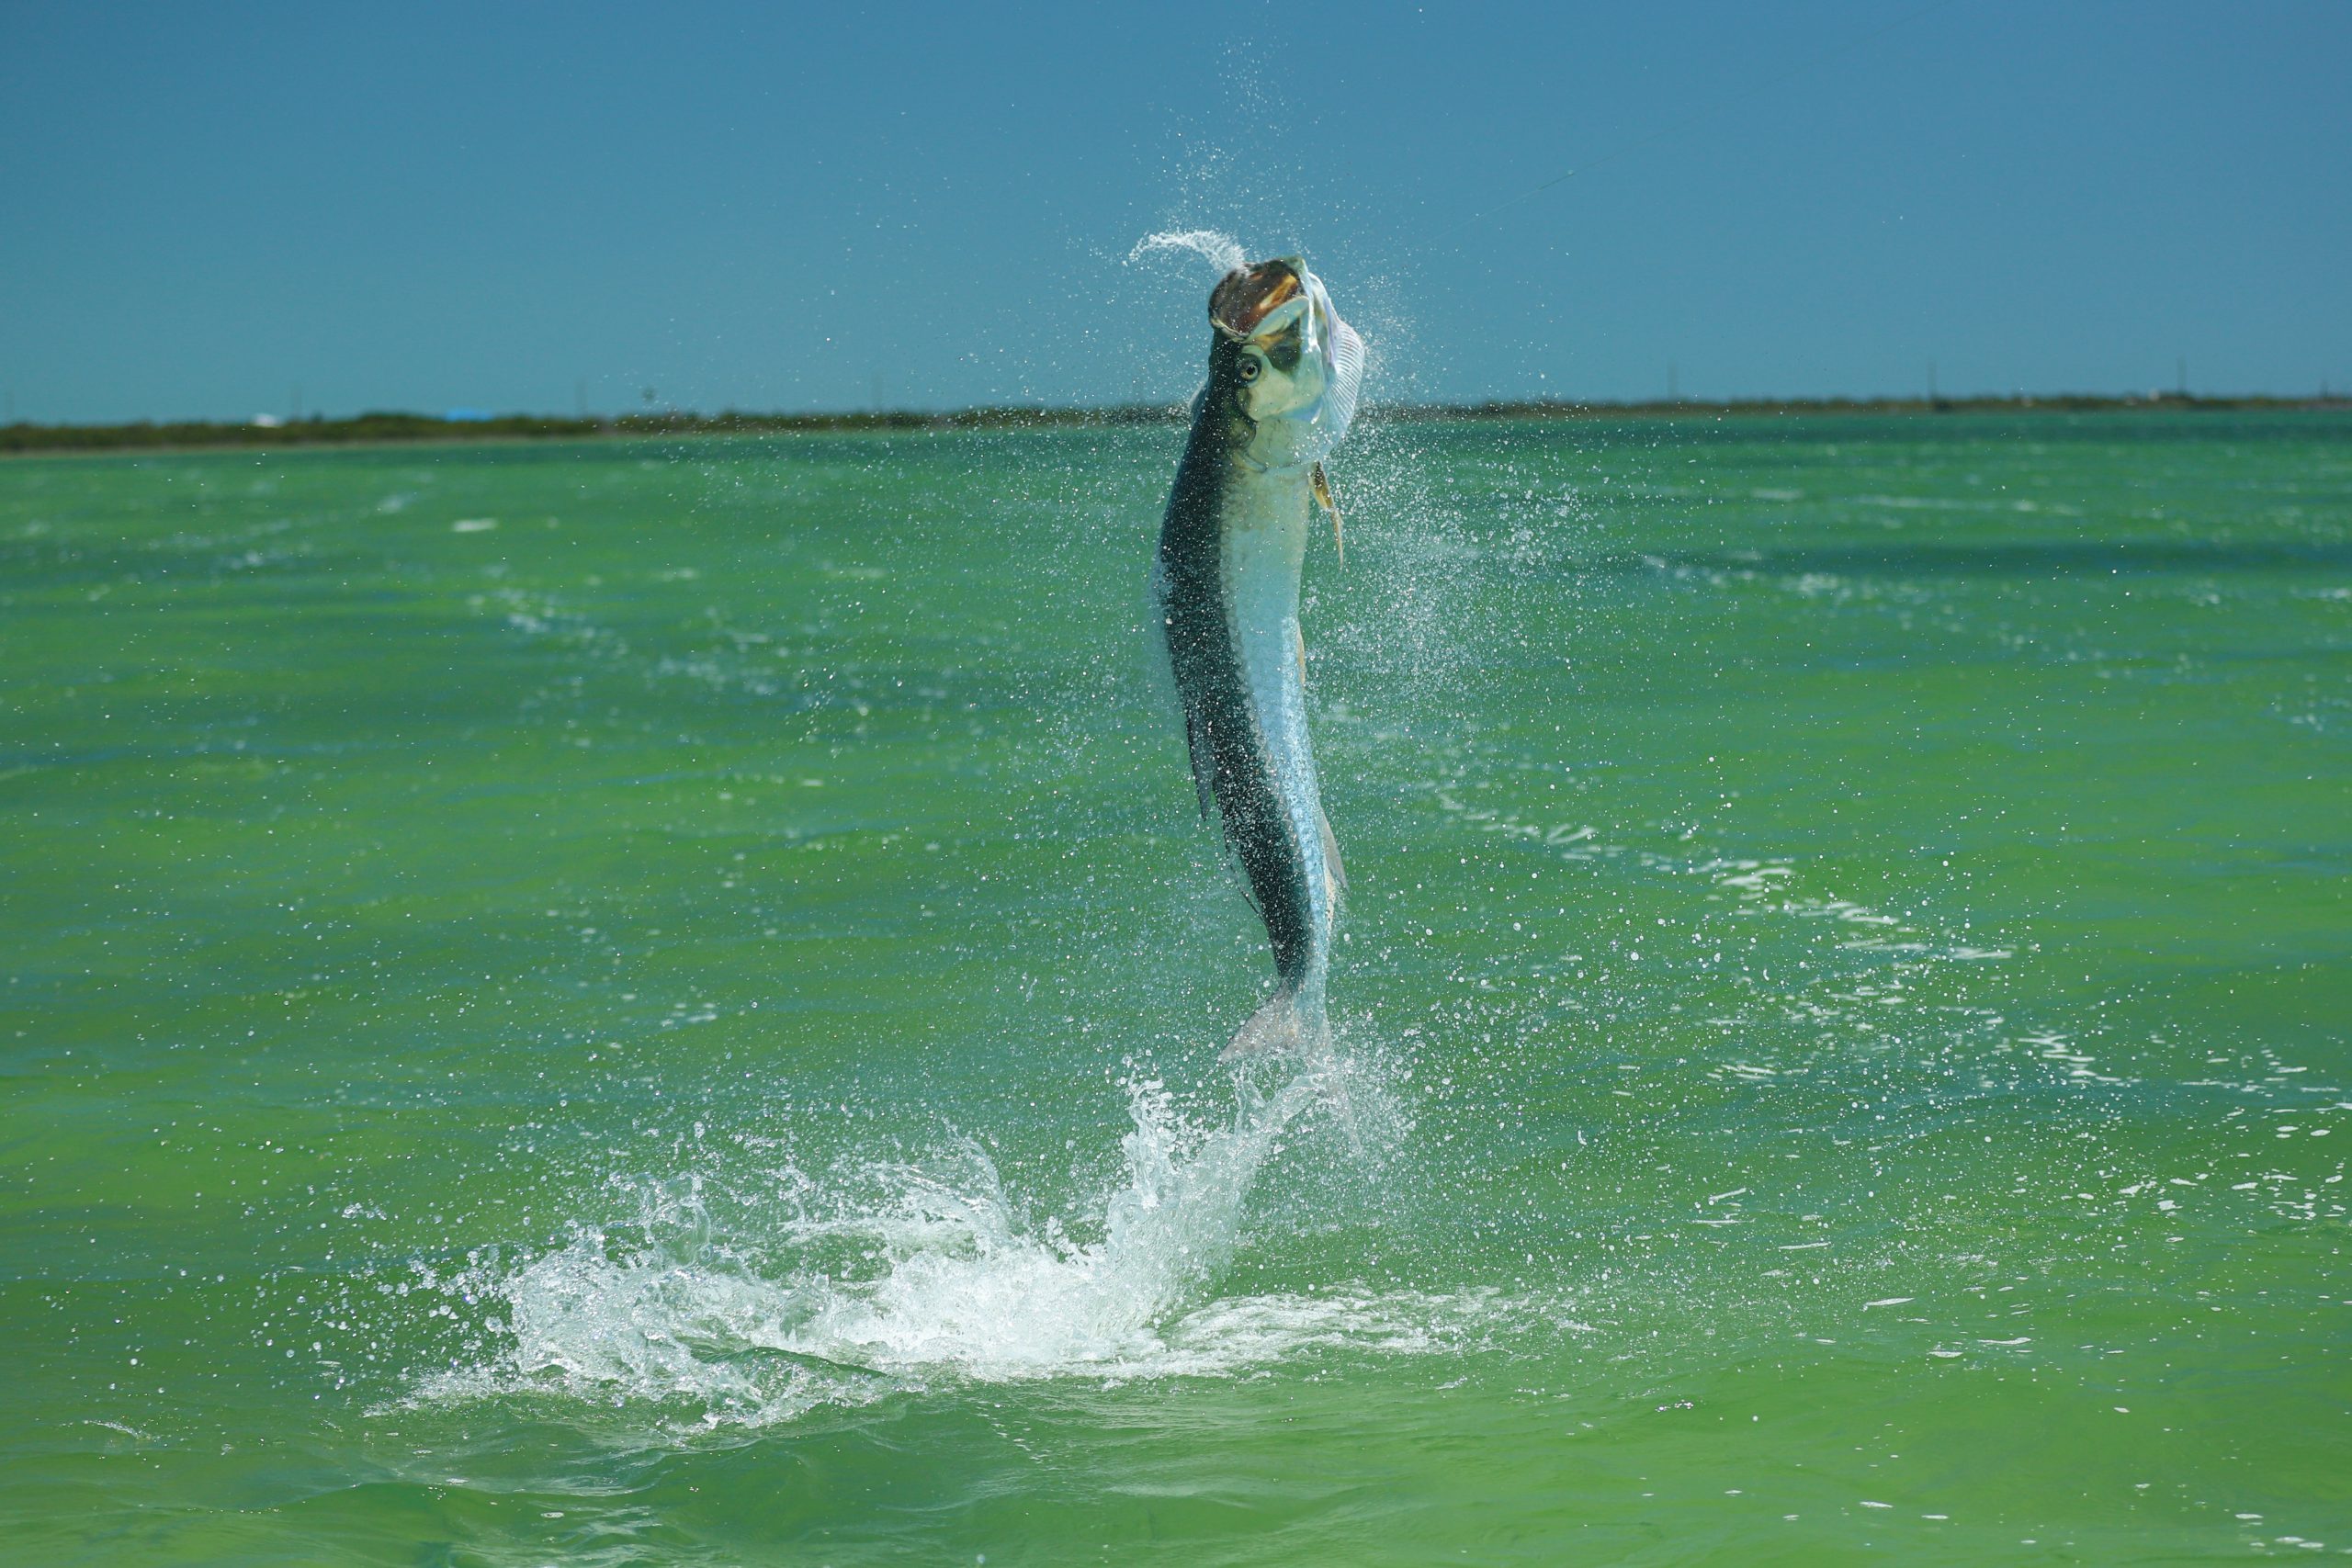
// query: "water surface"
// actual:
[[658, 1003]]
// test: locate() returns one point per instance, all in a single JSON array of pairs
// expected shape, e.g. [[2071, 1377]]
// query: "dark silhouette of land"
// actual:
[[372, 429]]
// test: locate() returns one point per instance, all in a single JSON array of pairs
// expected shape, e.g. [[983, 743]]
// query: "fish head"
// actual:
[[1288, 361]]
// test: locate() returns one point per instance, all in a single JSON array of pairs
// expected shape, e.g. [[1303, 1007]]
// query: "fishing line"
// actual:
[[1703, 116]]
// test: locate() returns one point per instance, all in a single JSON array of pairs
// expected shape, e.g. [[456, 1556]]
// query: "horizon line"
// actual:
[[374, 426]]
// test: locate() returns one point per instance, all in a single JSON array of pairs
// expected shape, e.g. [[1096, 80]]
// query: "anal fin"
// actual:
[[1333, 867]]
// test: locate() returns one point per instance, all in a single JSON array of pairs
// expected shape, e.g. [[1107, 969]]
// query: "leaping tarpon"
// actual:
[[1284, 376]]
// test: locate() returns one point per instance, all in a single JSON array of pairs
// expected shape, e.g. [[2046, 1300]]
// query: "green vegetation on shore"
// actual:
[[380, 428]]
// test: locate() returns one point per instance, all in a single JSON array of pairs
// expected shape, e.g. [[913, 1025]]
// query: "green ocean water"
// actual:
[[644, 1003]]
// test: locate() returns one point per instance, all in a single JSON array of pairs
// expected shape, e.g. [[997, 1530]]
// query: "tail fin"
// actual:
[[1287, 1025]]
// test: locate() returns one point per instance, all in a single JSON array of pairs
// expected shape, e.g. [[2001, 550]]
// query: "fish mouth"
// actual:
[[1248, 296]]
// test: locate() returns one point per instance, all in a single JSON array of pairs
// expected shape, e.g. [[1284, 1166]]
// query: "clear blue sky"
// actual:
[[424, 206]]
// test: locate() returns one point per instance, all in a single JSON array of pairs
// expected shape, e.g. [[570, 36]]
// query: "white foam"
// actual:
[[921, 1275]]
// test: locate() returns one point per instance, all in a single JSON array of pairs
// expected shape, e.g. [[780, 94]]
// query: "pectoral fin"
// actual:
[[1322, 482]]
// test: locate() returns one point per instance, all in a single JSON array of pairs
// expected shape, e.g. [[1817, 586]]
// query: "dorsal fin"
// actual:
[[1196, 741]]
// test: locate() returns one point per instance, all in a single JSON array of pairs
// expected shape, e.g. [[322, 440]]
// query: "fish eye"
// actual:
[[1250, 369]]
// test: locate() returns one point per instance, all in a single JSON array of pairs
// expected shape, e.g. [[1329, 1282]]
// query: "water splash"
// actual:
[[967, 1287], [897, 1276], [1221, 251]]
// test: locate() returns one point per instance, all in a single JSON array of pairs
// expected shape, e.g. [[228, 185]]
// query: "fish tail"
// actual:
[[1289, 1024]]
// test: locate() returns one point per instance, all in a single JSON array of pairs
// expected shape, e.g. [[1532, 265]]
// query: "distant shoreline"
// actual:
[[408, 429]]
